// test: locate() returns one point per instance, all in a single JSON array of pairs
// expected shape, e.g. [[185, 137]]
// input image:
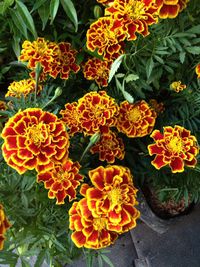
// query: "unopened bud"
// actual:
[[98, 12], [58, 92], [95, 138]]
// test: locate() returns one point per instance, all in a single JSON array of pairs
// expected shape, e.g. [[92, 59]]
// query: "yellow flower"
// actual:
[[177, 86]]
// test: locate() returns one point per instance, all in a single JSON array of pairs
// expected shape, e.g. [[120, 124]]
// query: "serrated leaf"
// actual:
[[195, 50], [27, 18], [114, 67], [70, 11], [131, 77], [40, 258], [128, 97], [149, 67], [107, 260], [195, 29], [182, 57], [54, 5]]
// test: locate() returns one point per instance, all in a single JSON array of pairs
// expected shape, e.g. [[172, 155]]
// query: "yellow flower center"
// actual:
[[134, 115], [115, 197], [135, 10], [41, 48], [99, 223], [175, 145], [36, 134], [102, 72]]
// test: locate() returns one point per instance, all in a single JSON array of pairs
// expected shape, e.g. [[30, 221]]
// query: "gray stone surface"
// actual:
[[179, 246]]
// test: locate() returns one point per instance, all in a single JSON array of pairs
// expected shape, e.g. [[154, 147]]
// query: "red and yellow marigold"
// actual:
[[197, 69], [105, 2], [113, 194], [109, 147], [177, 86], [176, 147], [61, 180], [158, 107], [89, 231], [23, 87], [4, 225], [136, 120], [97, 112], [70, 116], [135, 16], [34, 138], [106, 36], [98, 70], [170, 8]]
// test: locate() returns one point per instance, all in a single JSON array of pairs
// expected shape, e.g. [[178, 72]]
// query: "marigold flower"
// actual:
[[38, 51], [63, 62], [106, 36], [61, 180], [109, 147], [158, 107], [34, 139], [4, 225], [170, 8], [135, 16], [98, 70], [89, 231], [197, 69], [176, 147], [70, 116], [136, 120], [113, 194], [23, 87], [177, 86], [105, 2], [3, 105], [97, 112]]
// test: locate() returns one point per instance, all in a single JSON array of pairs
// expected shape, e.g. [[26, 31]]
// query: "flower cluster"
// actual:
[[34, 139], [136, 120], [177, 86], [55, 59], [105, 2], [109, 147], [158, 107], [170, 9], [106, 210], [23, 87], [4, 225], [94, 112], [176, 147], [61, 180], [197, 69], [98, 70]]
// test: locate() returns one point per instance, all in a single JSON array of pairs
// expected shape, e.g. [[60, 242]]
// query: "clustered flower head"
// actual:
[[135, 120], [61, 180], [34, 139], [109, 147], [98, 70], [4, 225], [158, 107], [135, 16], [177, 86], [23, 87], [106, 36], [170, 9], [55, 59], [176, 147], [107, 208], [197, 69]]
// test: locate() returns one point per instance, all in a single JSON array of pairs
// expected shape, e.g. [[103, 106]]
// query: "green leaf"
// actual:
[[131, 77], [107, 260], [18, 22], [40, 258], [149, 67], [128, 96], [54, 5], [38, 4], [182, 57], [195, 50], [70, 10], [4, 6], [44, 11], [115, 66]]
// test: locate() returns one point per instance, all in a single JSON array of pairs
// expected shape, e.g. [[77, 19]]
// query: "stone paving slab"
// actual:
[[179, 246]]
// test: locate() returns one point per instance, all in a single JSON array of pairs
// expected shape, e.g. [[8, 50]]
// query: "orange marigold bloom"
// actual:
[[176, 147], [170, 8], [70, 116], [113, 194], [109, 147], [23, 87], [136, 120], [97, 112], [63, 62], [89, 231], [135, 16], [105, 2], [98, 70], [106, 36], [3, 105], [38, 51], [4, 225], [34, 138], [158, 107], [177, 86], [61, 180], [197, 69]]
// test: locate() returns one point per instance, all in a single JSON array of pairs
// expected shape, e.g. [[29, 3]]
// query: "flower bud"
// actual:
[[58, 92], [98, 12], [95, 138]]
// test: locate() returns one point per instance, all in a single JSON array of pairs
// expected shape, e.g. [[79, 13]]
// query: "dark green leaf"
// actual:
[[70, 11], [54, 5], [18, 22]]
